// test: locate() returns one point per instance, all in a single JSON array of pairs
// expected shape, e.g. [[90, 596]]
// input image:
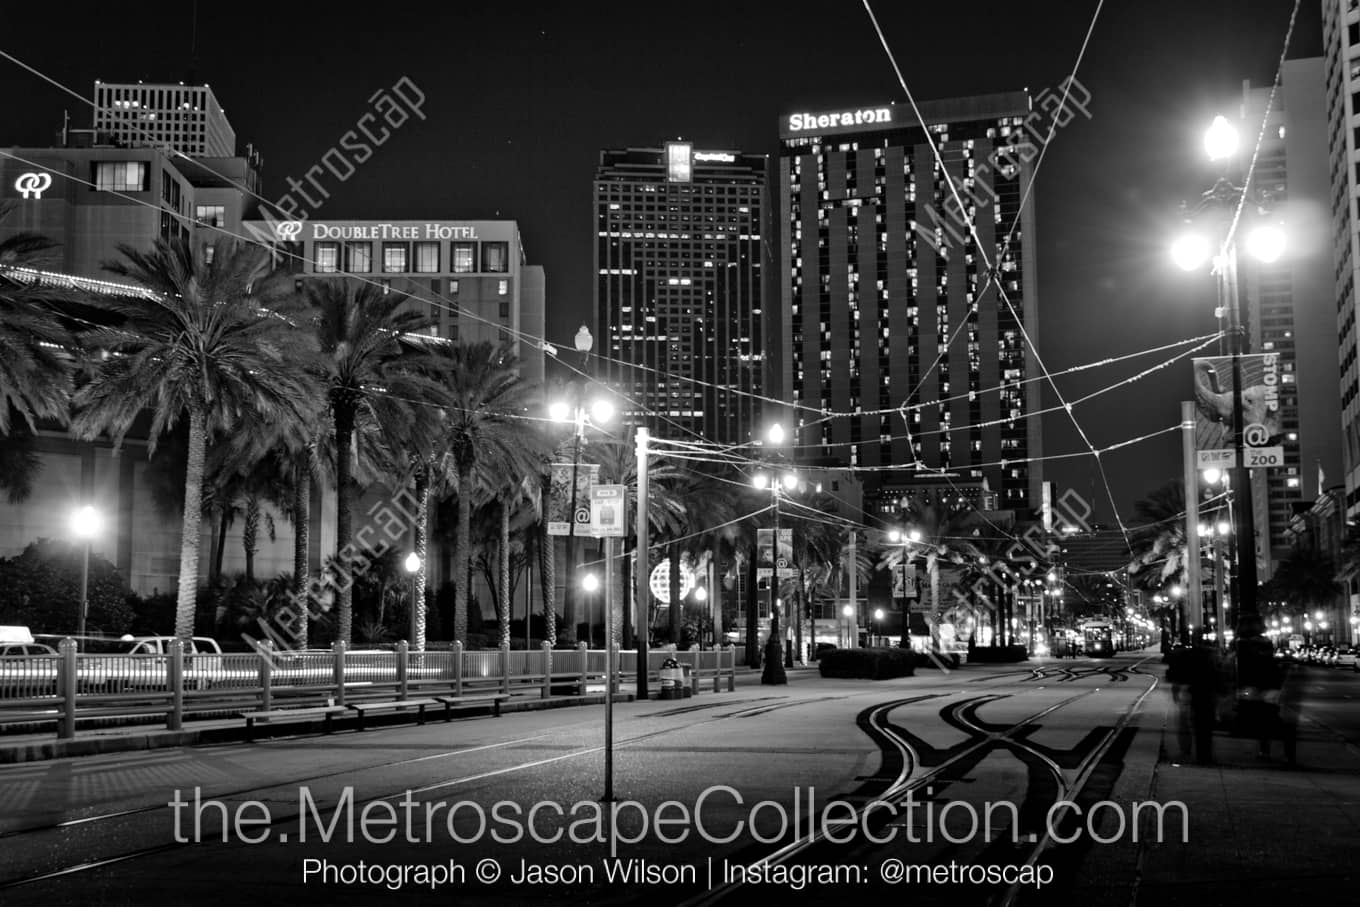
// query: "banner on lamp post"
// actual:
[[764, 553], [1265, 380], [784, 557], [559, 498]]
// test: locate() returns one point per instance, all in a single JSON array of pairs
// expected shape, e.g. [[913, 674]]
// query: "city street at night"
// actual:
[[100, 830]]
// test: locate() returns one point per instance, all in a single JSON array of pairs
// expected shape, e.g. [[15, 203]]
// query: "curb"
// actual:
[[38, 751]]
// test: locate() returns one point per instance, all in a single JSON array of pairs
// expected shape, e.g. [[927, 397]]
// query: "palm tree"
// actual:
[[35, 363], [485, 425], [377, 371], [212, 342], [1306, 578]]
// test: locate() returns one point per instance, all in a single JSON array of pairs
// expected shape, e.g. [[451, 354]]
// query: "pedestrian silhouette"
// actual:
[[1260, 686]]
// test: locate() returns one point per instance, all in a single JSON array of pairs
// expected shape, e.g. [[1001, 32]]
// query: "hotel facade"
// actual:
[[897, 358]]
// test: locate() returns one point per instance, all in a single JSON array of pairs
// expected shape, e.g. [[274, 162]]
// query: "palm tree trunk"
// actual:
[[250, 535], [547, 578], [503, 599], [344, 529], [752, 614], [462, 560], [302, 517], [674, 613], [187, 599], [220, 548], [421, 544]]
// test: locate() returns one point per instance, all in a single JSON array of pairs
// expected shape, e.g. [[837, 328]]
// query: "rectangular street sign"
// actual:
[[606, 511], [1216, 458], [1261, 457]]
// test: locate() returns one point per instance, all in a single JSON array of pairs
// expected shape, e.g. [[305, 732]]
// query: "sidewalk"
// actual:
[[1260, 831]]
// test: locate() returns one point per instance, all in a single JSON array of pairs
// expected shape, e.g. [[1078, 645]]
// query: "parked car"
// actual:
[[1346, 657]]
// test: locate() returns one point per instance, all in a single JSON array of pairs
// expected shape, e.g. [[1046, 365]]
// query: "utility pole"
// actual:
[[640, 575], [1193, 590]]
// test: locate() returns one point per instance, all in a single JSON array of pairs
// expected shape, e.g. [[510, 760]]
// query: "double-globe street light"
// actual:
[[773, 670], [1190, 251], [906, 538], [596, 413]]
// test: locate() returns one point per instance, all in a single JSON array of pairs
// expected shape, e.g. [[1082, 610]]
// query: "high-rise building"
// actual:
[[886, 326], [185, 118], [470, 278], [1341, 45], [680, 252], [1288, 305]]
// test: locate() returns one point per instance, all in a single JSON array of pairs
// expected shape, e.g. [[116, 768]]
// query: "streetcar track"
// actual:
[[905, 785], [292, 818]]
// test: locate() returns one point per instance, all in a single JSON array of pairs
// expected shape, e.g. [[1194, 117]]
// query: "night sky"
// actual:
[[520, 98]]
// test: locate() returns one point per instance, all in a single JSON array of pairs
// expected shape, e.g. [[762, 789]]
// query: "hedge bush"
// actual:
[[872, 664], [997, 655]]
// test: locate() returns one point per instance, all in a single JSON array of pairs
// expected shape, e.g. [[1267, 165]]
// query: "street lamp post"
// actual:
[[85, 524], [599, 413], [905, 539], [413, 567], [773, 670], [1265, 243]]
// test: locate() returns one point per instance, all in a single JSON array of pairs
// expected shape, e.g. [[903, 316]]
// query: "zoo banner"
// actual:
[[559, 498], [1266, 380]]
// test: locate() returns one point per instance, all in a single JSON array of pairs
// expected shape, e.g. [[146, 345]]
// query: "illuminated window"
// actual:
[[427, 257], [464, 257], [120, 176], [453, 288], [394, 257], [496, 257], [326, 256], [503, 288], [211, 215]]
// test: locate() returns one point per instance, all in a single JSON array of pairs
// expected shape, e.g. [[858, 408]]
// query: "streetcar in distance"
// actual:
[[1097, 638]]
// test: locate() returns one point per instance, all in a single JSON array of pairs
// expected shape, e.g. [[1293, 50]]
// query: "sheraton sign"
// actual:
[[813, 122]]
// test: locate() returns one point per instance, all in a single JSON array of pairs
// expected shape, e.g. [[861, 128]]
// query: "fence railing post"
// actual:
[[457, 668], [585, 665], [175, 720], [338, 660], [403, 681], [505, 669], [67, 682], [265, 653], [547, 669]]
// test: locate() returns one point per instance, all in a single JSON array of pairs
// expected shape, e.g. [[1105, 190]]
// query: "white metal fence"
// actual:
[[73, 686]]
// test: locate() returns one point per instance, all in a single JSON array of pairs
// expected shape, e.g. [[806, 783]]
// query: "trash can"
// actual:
[[687, 681], [672, 679]]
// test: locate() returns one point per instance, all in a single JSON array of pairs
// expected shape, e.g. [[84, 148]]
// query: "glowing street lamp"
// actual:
[[590, 584], [412, 565], [86, 523]]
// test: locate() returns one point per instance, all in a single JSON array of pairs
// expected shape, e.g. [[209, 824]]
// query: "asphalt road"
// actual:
[[807, 792]]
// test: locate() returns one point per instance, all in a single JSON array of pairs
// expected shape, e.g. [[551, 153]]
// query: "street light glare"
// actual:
[[914, 535], [601, 411], [559, 411], [894, 536], [1220, 140], [1190, 252], [790, 481], [412, 562], [776, 434], [848, 611], [590, 582], [86, 522], [1211, 476], [1266, 243], [1224, 528], [701, 594], [760, 480]]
